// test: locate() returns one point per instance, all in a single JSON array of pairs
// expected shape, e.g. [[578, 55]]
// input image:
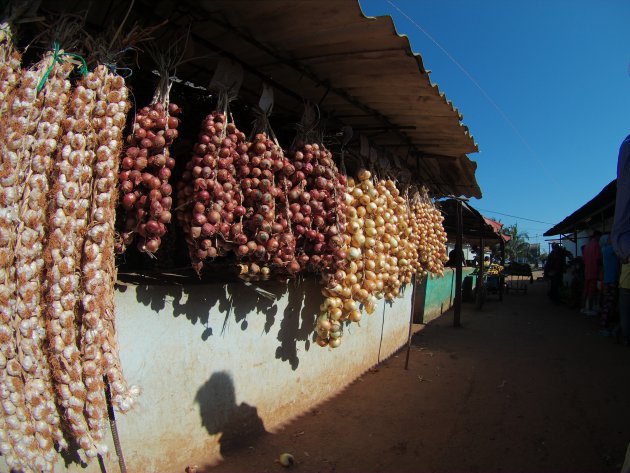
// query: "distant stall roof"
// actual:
[[475, 226], [498, 228], [602, 205], [357, 69]]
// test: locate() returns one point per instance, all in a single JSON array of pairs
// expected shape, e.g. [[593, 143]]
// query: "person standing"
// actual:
[[554, 271], [621, 236], [592, 256], [609, 284]]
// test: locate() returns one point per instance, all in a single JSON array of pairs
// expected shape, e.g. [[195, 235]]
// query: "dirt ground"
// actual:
[[523, 386]]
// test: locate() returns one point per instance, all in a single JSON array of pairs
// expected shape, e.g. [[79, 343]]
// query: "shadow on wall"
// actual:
[[298, 322], [237, 424], [235, 301]]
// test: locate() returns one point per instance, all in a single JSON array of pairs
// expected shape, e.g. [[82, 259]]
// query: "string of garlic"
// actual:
[[10, 61], [10, 382], [29, 264], [17, 346], [99, 348], [116, 95], [68, 218]]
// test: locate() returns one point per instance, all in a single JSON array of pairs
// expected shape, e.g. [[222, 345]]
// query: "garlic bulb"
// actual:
[[68, 224], [11, 384], [32, 129], [98, 332], [29, 261], [10, 61]]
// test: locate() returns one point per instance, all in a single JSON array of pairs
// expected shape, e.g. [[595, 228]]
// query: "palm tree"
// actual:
[[518, 246]]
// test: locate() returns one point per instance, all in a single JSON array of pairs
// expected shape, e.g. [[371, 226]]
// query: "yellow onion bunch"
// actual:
[[99, 347], [428, 225], [415, 234], [363, 276], [407, 250], [68, 223], [387, 240], [30, 418], [397, 268]]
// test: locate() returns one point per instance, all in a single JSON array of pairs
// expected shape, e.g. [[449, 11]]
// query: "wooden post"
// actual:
[[501, 276], [575, 233], [480, 284], [458, 267], [413, 306]]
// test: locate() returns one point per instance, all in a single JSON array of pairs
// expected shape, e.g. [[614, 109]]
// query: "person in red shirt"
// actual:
[[592, 256]]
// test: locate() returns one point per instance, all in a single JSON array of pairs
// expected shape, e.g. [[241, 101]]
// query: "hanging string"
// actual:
[[57, 59], [127, 72]]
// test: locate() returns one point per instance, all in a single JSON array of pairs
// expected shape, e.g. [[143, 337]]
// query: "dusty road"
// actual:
[[523, 386]]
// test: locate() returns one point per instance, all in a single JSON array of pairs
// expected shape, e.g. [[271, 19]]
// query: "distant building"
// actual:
[[597, 214]]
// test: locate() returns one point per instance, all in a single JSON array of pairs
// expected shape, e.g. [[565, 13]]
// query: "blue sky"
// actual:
[[558, 70]]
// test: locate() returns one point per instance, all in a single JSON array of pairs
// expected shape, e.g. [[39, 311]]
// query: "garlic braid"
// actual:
[[116, 96], [99, 348], [10, 369], [29, 264], [20, 336], [70, 205], [10, 61]]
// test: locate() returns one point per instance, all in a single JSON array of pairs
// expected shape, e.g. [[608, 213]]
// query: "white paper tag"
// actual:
[[228, 76], [365, 146], [373, 155], [266, 99]]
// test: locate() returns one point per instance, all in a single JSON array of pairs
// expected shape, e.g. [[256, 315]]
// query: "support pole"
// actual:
[[575, 233], [458, 267], [113, 427], [413, 306], [501, 276], [480, 284]]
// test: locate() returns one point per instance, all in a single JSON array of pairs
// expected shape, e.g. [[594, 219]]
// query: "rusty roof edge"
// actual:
[[423, 71]]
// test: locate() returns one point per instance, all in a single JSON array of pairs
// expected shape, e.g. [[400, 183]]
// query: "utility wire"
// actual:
[[514, 216], [481, 89]]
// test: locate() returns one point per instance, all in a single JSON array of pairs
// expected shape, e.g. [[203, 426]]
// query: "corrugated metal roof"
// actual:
[[358, 69], [603, 204]]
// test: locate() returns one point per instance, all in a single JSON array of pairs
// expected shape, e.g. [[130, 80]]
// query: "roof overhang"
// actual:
[[475, 225], [357, 69], [602, 206]]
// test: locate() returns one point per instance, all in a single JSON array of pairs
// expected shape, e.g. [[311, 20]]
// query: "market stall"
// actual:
[[174, 217], [463, 222], [596, 214]]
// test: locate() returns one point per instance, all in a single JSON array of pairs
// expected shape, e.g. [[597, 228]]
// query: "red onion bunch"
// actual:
[[315, 200], [146, 169], [209, 184], [264, 236]]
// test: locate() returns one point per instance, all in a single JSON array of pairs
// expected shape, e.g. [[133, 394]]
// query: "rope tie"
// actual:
[[58, 59]]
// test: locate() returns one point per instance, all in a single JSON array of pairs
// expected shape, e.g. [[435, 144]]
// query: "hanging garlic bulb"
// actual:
[[29, 264], [22, 121], [23, 450], [10, 380], [99, 348], [10, 61], [70, 204]]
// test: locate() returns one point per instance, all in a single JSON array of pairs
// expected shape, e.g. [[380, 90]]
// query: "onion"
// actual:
[[148, 152]]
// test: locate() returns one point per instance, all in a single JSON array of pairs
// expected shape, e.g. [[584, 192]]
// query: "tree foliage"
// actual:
[[518, 245]]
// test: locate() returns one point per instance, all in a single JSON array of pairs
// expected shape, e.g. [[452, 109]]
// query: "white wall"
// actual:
[[583, 237], [217, 360]]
